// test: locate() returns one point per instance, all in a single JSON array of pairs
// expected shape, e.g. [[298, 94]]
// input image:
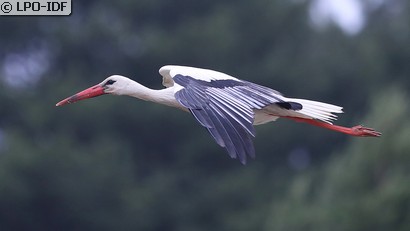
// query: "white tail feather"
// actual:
[[318, 110]]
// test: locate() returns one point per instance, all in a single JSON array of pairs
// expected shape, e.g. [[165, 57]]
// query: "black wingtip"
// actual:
[[290, 106]]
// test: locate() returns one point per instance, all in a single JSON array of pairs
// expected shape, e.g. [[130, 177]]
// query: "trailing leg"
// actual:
[[358, 130]]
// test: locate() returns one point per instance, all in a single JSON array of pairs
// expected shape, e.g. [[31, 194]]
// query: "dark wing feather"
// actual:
[[225, 109]]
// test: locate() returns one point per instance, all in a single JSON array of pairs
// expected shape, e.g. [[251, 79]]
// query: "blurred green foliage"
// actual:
[[364, 187], [113, 163]]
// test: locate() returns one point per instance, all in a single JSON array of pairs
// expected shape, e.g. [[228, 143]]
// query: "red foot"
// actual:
[[359, 130]]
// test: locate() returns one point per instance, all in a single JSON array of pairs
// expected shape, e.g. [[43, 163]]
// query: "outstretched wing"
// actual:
[[225, 108]]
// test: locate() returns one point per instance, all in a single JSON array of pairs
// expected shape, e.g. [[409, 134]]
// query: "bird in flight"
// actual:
[[226, 106]]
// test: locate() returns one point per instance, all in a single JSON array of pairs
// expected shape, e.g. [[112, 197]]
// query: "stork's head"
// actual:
[[115, 84]]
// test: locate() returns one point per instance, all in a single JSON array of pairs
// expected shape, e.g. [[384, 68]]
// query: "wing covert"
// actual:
[[225, 109]]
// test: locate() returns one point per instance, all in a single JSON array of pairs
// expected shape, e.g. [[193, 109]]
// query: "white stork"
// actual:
[[226, 106]]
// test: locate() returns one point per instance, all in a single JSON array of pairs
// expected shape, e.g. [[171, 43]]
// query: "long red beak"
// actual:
[[91, 92]]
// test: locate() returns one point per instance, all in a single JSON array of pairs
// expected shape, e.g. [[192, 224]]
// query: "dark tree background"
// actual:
[[115, 163]]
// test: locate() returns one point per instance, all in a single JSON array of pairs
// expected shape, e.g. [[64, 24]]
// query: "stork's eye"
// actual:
[[109, 82]]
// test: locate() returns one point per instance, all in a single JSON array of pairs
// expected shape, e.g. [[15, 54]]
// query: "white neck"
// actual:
[[164, 96]]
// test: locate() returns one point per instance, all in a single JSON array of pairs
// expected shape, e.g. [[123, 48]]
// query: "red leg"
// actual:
[[358, 130]]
